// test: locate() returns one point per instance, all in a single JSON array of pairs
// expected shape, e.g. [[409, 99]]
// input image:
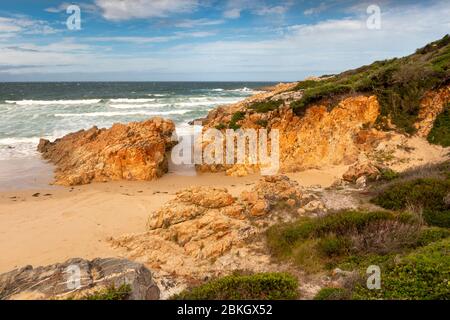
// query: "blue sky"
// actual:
[[208, 40]]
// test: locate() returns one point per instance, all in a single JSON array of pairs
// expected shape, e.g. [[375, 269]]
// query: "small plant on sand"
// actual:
[[110, 293]]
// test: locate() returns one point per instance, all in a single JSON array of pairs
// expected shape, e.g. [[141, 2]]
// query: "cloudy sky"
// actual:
[[204, 40]]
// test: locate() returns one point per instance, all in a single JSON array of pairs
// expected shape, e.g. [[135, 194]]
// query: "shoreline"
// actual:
[[66, 222]]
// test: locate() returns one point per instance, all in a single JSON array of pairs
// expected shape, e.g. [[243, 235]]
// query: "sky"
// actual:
[[208, 40]]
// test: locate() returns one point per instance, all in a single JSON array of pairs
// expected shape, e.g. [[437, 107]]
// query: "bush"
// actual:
[[221, 126], [440, 133], [387, 174], [110, 293], [432, 234], [262, 123], [237, 116], [427, 193], [315, 243], [332, 246], [266, 106], [423, 274], [437, 218], [262, 286], [332, 294]]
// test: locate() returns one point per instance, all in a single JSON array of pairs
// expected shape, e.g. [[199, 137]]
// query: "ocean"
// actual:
[[30, 111]]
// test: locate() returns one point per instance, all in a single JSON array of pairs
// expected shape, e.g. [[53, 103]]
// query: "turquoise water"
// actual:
[[30, 111]]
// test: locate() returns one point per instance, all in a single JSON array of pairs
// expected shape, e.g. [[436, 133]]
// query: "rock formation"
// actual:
[[318, 138], [59, 281], [205, 230], [431, 106], [136, 151]]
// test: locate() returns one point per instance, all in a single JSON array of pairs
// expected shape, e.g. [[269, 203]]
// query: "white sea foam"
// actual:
[[115, 114], [138, 106], [53, 102], [126, 100]]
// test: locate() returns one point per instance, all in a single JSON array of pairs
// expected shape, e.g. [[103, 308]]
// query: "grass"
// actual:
[[440, 133], [421, 275], [261, 286]]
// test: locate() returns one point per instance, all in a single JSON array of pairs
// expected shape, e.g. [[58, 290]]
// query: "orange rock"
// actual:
[[136, 151]]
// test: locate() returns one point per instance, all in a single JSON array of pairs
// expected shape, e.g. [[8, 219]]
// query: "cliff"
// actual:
[[335, 120]]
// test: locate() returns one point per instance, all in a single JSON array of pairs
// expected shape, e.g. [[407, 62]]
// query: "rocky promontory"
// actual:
[[134, 151]]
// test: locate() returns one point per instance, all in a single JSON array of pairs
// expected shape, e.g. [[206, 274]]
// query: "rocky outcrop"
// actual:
[[205, 230], [431, 106], [135, 151], [76, 279], [318, 138], [362, 168]]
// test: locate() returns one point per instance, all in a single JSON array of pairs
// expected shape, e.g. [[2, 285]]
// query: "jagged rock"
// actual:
[[136, 151], [204, 224], [361, 182], [315, 139], [269, 192], [59, 281], [314, 206], [431, 106], [361, 169]]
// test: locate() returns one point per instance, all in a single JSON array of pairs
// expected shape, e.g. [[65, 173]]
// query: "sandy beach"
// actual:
[[47, 224]]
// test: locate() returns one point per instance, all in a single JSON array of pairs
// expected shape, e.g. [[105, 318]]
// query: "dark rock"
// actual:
[[60, 281]]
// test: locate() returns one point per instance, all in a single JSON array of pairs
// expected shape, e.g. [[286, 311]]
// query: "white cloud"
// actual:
[[300, 50], [271, 10], [13, 26], [234, 8], [191, 23], [139, 9], [87, 7], [148, 40], [316, 10]]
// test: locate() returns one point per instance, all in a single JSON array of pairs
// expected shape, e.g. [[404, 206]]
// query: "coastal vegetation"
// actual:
[[440, 133], [260, 286], [398, 83], [110, 293], [410, 241]]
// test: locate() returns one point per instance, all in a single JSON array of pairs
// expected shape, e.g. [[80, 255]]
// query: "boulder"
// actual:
[[76, 278], [134, 151], [361, 169]]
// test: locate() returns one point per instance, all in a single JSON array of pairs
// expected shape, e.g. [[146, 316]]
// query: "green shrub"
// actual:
[[432, 234], [332, 294], [315, 243], [110, 293], [266, 105], [387, 174], [332, 245], [437, 218], [428, 194], [262, 286], [237, 116], [440, 133], [262, 123], [423, 274], [221, 126]]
